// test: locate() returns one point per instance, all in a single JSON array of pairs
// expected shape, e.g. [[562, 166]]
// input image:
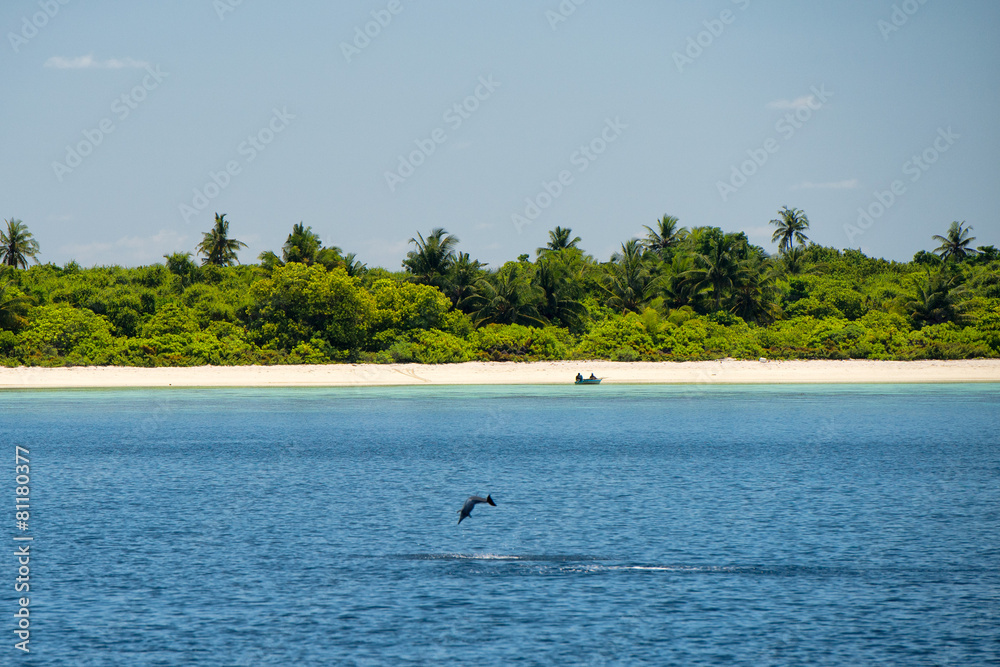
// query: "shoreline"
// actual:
[[726, 371]]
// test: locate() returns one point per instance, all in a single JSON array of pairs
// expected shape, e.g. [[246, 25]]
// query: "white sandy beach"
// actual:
[[727, 371]]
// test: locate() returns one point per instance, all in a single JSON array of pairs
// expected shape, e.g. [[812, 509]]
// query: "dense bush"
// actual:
[[699, 295]]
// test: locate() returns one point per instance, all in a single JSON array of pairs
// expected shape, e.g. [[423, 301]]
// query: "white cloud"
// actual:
[[807, 101], [849, 184], [89, 62]]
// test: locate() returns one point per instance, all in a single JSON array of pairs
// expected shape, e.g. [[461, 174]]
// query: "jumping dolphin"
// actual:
[[472, 502]]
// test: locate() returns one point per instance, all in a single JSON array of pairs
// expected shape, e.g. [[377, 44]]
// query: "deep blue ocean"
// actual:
[[635, 525]]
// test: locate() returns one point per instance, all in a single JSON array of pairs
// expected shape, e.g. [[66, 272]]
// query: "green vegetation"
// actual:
[[678, 294], [217, 247], [17, 244]]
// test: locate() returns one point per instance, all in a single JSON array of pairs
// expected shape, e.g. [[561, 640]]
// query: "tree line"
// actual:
[[678, 293]]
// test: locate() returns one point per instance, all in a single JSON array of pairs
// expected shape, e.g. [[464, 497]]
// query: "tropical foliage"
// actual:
[[956, 244], [217, 247], [666, 236], [790, 224], [17, 244], [679, 293], [433, 257]]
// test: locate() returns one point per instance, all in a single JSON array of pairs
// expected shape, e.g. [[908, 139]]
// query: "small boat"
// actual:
[[589, 381]]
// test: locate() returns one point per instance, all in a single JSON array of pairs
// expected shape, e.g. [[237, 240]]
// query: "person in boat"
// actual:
[[579, 377], [593, 377]]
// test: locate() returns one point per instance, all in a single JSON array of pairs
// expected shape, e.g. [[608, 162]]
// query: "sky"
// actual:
[[129, 124]]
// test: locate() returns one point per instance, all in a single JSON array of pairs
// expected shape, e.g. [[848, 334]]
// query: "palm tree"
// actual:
[[507, 298], [628, 281], [180, 264], [558, 293], [217, 247], [270, 261], [559, 239], [678, 290], [330, 257], [798, 261], [12, 307], [433, 258], [720, 269], [461, 282], [988, 253], [793, 262], [353, 266], [301, 246], [753, 295], [667, 235], [934, 301], [17, 245], [790, 225], [957, 244]]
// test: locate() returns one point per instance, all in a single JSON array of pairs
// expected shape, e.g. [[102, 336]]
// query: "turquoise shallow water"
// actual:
[[635, 525]]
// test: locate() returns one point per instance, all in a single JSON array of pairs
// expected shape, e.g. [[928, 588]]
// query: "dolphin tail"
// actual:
[[489, 499]]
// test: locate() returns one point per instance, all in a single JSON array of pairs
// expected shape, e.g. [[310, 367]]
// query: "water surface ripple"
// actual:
[[635, 525]]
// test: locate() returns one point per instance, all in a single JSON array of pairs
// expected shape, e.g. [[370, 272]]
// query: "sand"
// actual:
[[728, 371]]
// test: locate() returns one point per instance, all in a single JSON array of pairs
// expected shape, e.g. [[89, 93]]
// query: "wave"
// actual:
[[503, 557], [590, 564]]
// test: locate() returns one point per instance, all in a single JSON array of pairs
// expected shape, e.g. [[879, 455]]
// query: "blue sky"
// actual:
[[128, 124]]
